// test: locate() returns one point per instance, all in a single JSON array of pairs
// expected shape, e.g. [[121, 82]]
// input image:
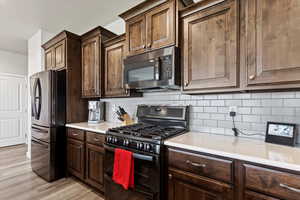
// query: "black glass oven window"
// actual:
[[141, 74]]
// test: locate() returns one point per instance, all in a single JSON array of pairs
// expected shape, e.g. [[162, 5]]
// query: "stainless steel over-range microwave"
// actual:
[[158, 69]]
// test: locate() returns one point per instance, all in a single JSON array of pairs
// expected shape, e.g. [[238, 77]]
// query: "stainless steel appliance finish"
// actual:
[[144, 139], [48, 114], [155, 70], [96, 112]]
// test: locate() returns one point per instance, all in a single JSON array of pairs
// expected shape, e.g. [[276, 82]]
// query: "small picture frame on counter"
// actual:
[[281, 133]]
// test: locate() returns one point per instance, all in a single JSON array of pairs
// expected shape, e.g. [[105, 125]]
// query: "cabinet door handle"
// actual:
[[195, 164], [144, 46], [170, 176], [289, 188], [252, 77], [149, 45], [186, 83]]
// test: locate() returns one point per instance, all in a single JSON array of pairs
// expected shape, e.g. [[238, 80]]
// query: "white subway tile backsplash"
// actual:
[[252, 103], [210, 109], [233, 102], [217, 103], [283, 95], [251, 118], [283, 111], [292, 102], [272, 103], [261, 111], [242, 96], [210, 113]]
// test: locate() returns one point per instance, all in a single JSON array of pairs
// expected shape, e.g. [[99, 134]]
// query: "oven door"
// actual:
[[142, 74], [146, 178]]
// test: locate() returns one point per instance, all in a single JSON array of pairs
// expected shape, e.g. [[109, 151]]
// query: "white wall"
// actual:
[[35, 64], [13, 63]]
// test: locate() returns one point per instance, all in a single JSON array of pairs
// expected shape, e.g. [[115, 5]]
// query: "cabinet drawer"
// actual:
[[211, 167], [76, 134], [95, 138], [279, 184]]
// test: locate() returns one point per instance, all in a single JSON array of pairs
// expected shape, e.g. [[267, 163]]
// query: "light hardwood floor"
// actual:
[[18, 182]]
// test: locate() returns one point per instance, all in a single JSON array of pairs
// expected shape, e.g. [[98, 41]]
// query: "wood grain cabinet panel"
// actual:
[[271, 45], [186, 186], [256, 196], [94, 166], [161, 26], [49, 59], [60, 55], [76, 159], [91, 67], [201, 165], [136, 35], [114, 54], [275, 183], [150, 26], [210, 47]]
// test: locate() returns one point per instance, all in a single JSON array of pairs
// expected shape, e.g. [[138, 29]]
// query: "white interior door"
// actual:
[[13, 109]]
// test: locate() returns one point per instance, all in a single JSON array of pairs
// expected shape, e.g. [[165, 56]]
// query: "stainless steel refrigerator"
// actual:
[[48, 135]]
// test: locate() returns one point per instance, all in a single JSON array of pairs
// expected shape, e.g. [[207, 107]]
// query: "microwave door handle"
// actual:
[[157, 69]]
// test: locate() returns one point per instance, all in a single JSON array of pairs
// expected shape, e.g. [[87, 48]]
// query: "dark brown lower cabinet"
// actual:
[[75, 149], [187, 186], [86, 157], [94, 166], [255, 196]]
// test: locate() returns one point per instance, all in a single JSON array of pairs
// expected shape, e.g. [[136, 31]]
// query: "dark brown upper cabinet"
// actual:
[[151, 25], [270, 45], [209, 46], [55, 56], [114, 69], [63, 53], [92, 61]]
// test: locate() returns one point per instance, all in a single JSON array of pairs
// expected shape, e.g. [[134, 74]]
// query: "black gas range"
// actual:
[[145, 139]]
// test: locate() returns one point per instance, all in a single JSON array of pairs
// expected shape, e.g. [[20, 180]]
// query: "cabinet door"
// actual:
[[136, 35], [91, 67], [114, 86], [49, 59], [255, 196], [76, 158], [60, 55], [271, 42], [210, 48], [184, 186], [94, 166], [161, 26]]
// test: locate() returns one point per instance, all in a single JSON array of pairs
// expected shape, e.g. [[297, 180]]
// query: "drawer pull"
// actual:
[[252, 77], [96, 139], [170, 176], [195, 164], [75, 134], [289, 188]]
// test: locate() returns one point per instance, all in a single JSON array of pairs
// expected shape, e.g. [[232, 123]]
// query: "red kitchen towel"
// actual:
[[123, 173]]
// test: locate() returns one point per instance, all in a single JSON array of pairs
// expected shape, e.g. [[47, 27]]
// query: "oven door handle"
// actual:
[[135, 155]]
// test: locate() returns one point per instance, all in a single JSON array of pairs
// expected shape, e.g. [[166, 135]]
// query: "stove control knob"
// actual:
[[148, 147], [125, 142], [115, 140], [140, 146], [108, 139]]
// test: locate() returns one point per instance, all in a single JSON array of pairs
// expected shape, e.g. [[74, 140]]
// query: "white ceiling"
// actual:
[[20, 19]]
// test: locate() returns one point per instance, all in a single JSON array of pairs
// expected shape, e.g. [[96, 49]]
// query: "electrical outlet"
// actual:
[[232, 109]]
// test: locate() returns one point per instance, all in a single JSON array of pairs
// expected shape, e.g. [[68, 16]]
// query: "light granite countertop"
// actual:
[[251, 150], [96, 128]]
